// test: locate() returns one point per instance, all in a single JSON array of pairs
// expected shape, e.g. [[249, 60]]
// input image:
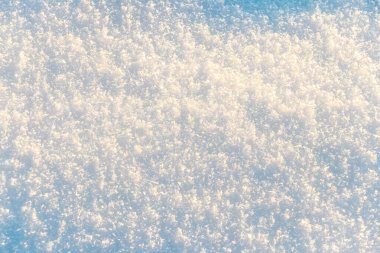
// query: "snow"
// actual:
[[189, 126]]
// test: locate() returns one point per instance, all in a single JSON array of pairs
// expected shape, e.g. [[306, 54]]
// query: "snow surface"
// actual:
[[198, 126]]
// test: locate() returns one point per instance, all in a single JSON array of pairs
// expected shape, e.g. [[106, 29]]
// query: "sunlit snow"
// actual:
[[189, 126]]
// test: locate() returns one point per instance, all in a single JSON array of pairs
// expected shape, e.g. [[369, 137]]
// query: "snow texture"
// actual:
[[189, 126]]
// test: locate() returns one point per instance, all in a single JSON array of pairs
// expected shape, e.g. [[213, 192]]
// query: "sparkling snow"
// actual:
[[198, 126]]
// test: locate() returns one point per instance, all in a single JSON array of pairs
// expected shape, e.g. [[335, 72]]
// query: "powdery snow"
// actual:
[[198, 126]]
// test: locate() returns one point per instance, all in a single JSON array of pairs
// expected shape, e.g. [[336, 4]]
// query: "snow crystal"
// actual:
[[189, 126]]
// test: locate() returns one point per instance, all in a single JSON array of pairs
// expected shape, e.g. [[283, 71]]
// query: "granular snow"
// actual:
[[189, 126]]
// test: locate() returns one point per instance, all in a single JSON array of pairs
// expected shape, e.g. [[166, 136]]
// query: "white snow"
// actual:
[[189, 126]]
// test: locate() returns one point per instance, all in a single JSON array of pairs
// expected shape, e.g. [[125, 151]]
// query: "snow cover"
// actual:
[[198, 126]]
